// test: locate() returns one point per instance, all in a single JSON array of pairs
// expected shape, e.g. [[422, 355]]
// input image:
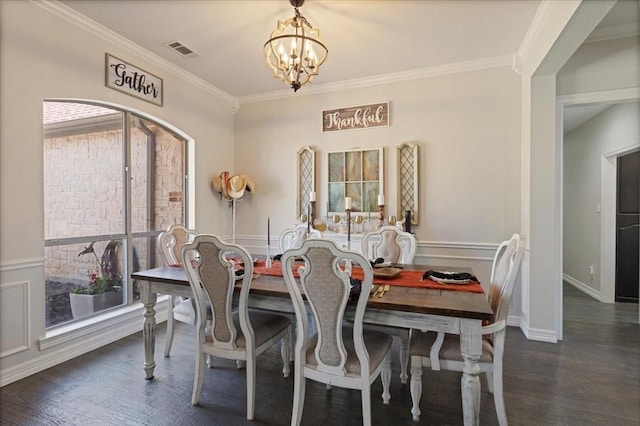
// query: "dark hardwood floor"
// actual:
[[592, 377]]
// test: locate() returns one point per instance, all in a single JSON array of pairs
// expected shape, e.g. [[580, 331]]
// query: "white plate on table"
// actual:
[[449, 281]]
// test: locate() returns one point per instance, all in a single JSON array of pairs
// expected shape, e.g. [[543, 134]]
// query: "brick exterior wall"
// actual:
[[84, 194]]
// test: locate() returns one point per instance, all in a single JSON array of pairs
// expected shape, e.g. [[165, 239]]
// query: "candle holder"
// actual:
[[359, 221], [348, 212], [312, 212], [267, 263], [381, 214]]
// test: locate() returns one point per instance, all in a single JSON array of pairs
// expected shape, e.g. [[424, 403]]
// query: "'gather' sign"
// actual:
[[126, 78], [359, 117]]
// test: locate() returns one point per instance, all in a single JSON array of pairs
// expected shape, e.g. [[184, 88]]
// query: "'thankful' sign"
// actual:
[[359, 117]]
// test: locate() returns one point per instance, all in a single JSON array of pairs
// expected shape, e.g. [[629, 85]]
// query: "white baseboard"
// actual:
[[538, 334], [513, 320], [583, 287], [63, 346]]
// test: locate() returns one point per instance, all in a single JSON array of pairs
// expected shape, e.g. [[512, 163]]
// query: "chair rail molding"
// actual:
[[256, 244], [16, 264]]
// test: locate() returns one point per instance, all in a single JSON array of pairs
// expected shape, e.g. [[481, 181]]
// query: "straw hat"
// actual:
[[220, 183], [238, 184]]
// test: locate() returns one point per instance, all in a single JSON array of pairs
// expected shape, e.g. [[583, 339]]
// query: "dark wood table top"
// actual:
[[406, 299]]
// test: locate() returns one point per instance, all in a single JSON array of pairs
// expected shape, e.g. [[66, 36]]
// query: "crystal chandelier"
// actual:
[[295, 51]]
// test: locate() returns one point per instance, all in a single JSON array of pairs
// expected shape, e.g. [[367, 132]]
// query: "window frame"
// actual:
[[127, 238]]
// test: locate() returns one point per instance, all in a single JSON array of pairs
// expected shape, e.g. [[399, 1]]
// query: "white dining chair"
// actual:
[[170, 244], [441, 351], [394, 245], [294, 237], [240, 334], [337, 354], [391, 244]]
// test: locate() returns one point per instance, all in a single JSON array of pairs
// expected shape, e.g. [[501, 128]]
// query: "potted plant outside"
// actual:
[[104, 289]]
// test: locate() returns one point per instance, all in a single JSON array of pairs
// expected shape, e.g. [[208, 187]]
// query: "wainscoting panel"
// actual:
[[15, 324]]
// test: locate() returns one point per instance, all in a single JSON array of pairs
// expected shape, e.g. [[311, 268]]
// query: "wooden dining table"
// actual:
[[436, 308]]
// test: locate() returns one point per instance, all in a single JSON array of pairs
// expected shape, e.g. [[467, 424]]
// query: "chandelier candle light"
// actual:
[[295, 51]]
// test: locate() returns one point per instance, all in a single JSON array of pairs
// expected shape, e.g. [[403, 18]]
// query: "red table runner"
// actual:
[[407, 278]]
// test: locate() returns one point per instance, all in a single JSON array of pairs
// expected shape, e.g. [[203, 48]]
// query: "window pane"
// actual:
[[84, 269], [336, 167], [145, 256], [353, 166], [157, 172], [83, 166], [371, 165]]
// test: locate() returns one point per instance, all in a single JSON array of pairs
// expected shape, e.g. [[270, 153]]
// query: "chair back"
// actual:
[[506, 264], [327, 288], [294, 237], [390, 243], [212, 278], [170, 243]]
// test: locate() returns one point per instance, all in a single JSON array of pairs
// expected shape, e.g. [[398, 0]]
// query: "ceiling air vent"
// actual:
[[181, 49]]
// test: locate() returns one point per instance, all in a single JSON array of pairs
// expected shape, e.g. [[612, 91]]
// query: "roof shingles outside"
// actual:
[[58, 112]]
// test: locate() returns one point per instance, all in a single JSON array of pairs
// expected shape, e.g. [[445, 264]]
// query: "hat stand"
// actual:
[[233, 221]]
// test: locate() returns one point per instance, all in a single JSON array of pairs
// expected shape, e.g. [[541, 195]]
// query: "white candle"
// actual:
[[347, 203], [381, 199], [312, 196]]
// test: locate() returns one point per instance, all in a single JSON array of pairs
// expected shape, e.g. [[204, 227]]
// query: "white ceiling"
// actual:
[[365, 38], [575, 115]]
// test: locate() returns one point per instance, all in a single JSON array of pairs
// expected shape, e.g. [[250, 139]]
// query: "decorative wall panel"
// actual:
[[408, 183], [306, 178], [14, 327]]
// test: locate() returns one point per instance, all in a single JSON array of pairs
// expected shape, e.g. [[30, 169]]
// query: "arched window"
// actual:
[[112, 181]]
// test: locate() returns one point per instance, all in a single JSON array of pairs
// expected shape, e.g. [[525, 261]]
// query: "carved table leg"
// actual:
[[471, 349], [148, 299], [416, 387], [404, 359]]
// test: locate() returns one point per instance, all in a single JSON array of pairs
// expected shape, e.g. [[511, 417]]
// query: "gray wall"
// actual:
[[614, 129]]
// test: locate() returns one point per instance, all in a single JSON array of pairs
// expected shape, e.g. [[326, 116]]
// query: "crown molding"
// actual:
[[534, 29], [613, 32], [616, 95], [518, 63], [70, 15], [440, 70]]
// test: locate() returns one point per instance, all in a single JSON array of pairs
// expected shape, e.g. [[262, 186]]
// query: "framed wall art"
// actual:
[[355, 173]]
